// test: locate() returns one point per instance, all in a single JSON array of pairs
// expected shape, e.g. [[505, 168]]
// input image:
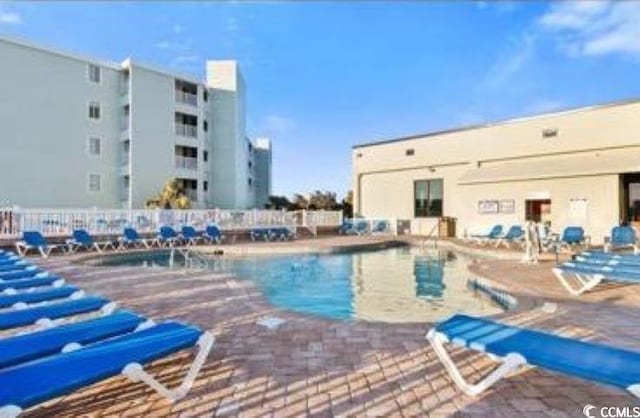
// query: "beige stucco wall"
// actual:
[[592, 147]]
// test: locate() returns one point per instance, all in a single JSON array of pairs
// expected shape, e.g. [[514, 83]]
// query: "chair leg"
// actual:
[[585, 283], [510, 363], [135, 372]]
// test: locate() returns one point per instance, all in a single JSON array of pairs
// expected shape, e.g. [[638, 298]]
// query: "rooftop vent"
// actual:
[[549, 133], [409, 152]]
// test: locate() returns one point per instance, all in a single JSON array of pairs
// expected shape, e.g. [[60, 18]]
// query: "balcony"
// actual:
[[186, 163], [186, 98], [192, 194], [124, 125], [189, 131]]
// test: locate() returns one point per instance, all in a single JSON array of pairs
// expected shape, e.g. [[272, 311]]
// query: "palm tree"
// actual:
[[172, 196]]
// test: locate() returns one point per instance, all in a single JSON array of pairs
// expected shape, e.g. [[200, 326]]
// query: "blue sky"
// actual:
[[323, 76]]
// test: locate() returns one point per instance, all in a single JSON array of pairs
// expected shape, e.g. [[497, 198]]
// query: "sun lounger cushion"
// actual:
[[29, 282], [27, 347], [588, 360], [31, 383], [24, 317], [39, 295]]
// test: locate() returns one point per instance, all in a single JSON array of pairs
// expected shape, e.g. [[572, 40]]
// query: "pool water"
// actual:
[[392, 285]]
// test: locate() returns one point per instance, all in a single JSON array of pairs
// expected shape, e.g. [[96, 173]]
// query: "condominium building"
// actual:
[[577, 167], [77, 132]]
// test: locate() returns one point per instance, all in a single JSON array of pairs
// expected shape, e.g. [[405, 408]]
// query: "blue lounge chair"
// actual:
[[492, 235], [39, 344], [212, 234], [514, 236], [168, 236], [380, 227], [346, 227], [189, 235], [16, 266], [280, 233], [131, 238], [600, 257], [82, 239], [517, 347], [586, 275], [22, 274], [20, 300], [31, 383], [46, 314], [259, 234], [572, 237], [9, 287], [33, 240], [622, 237]]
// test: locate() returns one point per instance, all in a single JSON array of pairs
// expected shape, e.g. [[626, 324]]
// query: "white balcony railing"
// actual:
[[186, 163], [124, 125], [190, 131], [186, 98], [125, 194]]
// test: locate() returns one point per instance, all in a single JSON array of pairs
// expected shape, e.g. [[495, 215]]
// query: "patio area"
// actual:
[[318, 367]]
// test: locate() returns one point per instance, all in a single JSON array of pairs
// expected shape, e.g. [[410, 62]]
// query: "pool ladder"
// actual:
[[192, 260]]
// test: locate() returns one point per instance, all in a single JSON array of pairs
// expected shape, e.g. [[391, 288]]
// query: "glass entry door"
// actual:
[[630, 197], [538, 210]]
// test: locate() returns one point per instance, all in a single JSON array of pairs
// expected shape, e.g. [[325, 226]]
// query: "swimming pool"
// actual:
[[392, 285]]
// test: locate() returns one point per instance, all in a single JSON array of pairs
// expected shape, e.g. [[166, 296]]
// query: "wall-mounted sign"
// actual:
[[578, 210], [488, 206], [507, 206]]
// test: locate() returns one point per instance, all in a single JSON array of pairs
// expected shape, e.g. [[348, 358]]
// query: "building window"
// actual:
[[94, 110], [94, 73], [250, 164], [250, 182], [95, 185], [205, 126], [205, 186], [409, 152], [205, 156], [427, 198], [205, 95], [95, 147]]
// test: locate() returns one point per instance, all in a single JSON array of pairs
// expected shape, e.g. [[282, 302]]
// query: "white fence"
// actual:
[[62, 222]]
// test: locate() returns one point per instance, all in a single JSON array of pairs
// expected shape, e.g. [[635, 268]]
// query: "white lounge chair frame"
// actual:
[[136, 373], [23, 248], [510, 363], [585, 281]]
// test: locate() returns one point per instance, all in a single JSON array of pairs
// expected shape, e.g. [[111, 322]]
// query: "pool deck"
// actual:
[[312, 366]]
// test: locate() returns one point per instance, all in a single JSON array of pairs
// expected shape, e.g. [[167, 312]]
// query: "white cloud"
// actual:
[[9, 17], [511, 63], [173, 46], [182, 59], [177, 28], [594, 27], [278, 124]]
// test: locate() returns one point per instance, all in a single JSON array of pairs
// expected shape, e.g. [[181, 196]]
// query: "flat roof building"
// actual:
[[576, 167], [79, 132]]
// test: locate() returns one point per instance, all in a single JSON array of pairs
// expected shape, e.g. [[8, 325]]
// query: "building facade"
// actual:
[[577, 167], [77, 132]]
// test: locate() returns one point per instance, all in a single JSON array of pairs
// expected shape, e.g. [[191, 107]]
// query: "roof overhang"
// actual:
[[585, 164]]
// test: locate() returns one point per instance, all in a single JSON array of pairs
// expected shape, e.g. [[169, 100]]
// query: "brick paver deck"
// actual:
[[311, 366]]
